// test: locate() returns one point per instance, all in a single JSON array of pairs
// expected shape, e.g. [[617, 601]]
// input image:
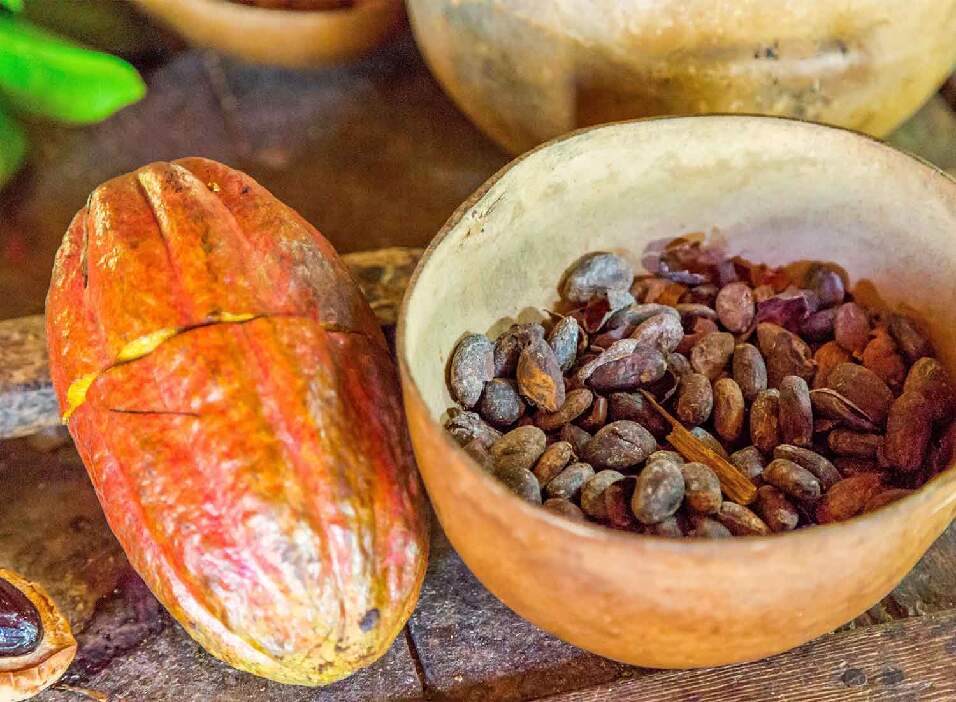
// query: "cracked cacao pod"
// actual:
[[235, 404]]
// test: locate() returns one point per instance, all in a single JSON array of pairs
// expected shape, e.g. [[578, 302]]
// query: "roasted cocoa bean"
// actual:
[[796, 413], [819, 326], [711, 354], [820, 466], [908, 431], [832, 405], [576, 436], [851, 327], [563, 338], [662, 332], [776, 510], [701, 488], [633, 407], [750, 462], [929, 378], [750, 370], [848, 497], [885, 497], [863, 388], [592, 494], [788, 309], [740, 521], [670, 528], [644, 366], [521, 482], [847, 465], [701, 328], [472, 365], [695, 399], [564, 508], [826, 284], [910, 337], [466, 427], [481, 455], [500, 405], [710, 441], [828, 357], [882, 357], [539, 376], [594, 274], [767, 336], [790, 356], [665, 455], [508, 346], [519, 448], [844, 442], [690, 312], [765, 421], [658, 493], [617, 503], [793, 479], [620, 445], [569, 482], [735, 307], [729, 409], [706, 528], [554, 459], [614, 352], [597, 417], [705, 294], [576, 403]]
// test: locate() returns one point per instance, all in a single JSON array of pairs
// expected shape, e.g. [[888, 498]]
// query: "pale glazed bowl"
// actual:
[[775, 191], [529, 70], [290, 38]]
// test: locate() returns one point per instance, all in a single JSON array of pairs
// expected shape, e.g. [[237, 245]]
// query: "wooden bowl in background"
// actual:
[[525, 71], [291, 38], [776, 191]]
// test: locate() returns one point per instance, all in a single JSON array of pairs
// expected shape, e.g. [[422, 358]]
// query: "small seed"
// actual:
[[790, 356], [701, 488], [740, 521], [633, 407], [821, 467], [500, 404], [508, 346], [820, 325], [851, 327], [564, 508], [848, 497], [710, 441], [750, 462], [848, 465], [644, 366], [563, 339], [662, 332], [711, 354], [539, 376], [480, 454], [864, 388], [929, 378], [828, 357], [519, 448], [826, 284], [554, 459], [832, 405], [793, 479], [617, 503], [850, 443], [620, 445], [669, 528], [735, 307], [912, 341], [750, 370], [765, 421], [472, 365], [569, 482], [695, 400], [576, 436], [576, 403], [908, 431], [700, 328], [466, 427], [658, 493], [729, 409], [596, 273], [706, 528], [796, 413], [664, 455], [521, 482], [776, 510], [882, 357], [592, 494]]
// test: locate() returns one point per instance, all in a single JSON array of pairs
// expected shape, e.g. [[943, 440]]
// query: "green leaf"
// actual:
[[11, 5], [44, 75], [13, 146]]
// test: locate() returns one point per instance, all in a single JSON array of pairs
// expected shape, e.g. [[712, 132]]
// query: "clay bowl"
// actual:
[[525, 71], [291, 38], [776, 191]]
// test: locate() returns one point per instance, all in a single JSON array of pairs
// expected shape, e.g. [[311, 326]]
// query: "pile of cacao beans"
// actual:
[[829, 407]]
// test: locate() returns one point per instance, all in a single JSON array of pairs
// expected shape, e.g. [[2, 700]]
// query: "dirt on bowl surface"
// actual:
[[769, 189]]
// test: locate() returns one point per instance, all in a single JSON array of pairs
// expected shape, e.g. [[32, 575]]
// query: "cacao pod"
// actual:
[[234, 402]]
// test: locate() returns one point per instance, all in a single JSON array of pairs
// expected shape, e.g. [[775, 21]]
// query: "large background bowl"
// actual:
[[528, 70], [775, 191]]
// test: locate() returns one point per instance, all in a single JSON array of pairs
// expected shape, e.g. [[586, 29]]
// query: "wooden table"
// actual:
[[375, 155]]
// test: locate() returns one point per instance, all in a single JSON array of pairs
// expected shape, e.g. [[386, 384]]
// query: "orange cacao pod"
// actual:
[[235, 405]]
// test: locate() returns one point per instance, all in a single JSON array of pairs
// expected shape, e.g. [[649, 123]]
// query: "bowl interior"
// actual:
[[772, 190]]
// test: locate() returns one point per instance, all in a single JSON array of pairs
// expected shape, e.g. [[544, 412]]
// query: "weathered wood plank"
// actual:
[[912, 660]]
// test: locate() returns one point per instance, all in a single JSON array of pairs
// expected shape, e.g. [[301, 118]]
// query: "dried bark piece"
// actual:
[[539, 376], [793, 479], [519, 448], [826, 284], [644, 366], [882, 356], [554, 459], [776, 510], [701, 487], [472, 365], [929, 378], [819, 326], [735, 307], [500, 405], [521, 482], [834, 406], [729, 409], [740, 521], [706, 528], [658, 493], [851, 327], [564, 508], [765, 421], [563, 338], [909, 428], [597, 417], [848, 497], [592, 494], [912, 341], [885, 497], [796, 412], [569, 482], [711, 354], [662, 331], [576, 436], [509, 344], [749, 370], [749, 461], [863, 388], [620, 445], [695, 399], [819, 465], [828, 357], [576, 403], [617, 503], [633, 407], [710, 441], [466, 427], [479, 452], [594, 274], [844, 442]]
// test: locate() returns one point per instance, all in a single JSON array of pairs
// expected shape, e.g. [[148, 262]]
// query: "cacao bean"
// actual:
[[851, 327], [500, 405], [863, 388], [664, 455], [735, 307], [828, 357], [644, 366], [594, 274], [847, 465], [669, 528], [554, 459], [793, 479], [690, 312], [633, 407], [706, 528], [519, 448], [569, 482], [592, 494], [767, 336], [750, 370], [832, 405], [539, 376], [885, 497], [480, 454], [576, 403], [882, 357], [563, 339], [776, 510], [678, 365], [472, 365], [929, 378], [619, 445], [848, 497], [614, 352], [695, 399], [705, 294], [790, 356], [750, 462], [820, 466], [597, 417], [564, 508], [710, 441], [521, 482], [711, 354], [789, 309], [466, 427], [662, 332], [617, 503], [819, 326], [826, 284], [21, 629], [509, 344], [850, 443], [740, 521], [912, 341], [576, 436], [701, 488], [729, 409], [765, 421], [908, 431], [658, 493], [701, 328], [796, 413]]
